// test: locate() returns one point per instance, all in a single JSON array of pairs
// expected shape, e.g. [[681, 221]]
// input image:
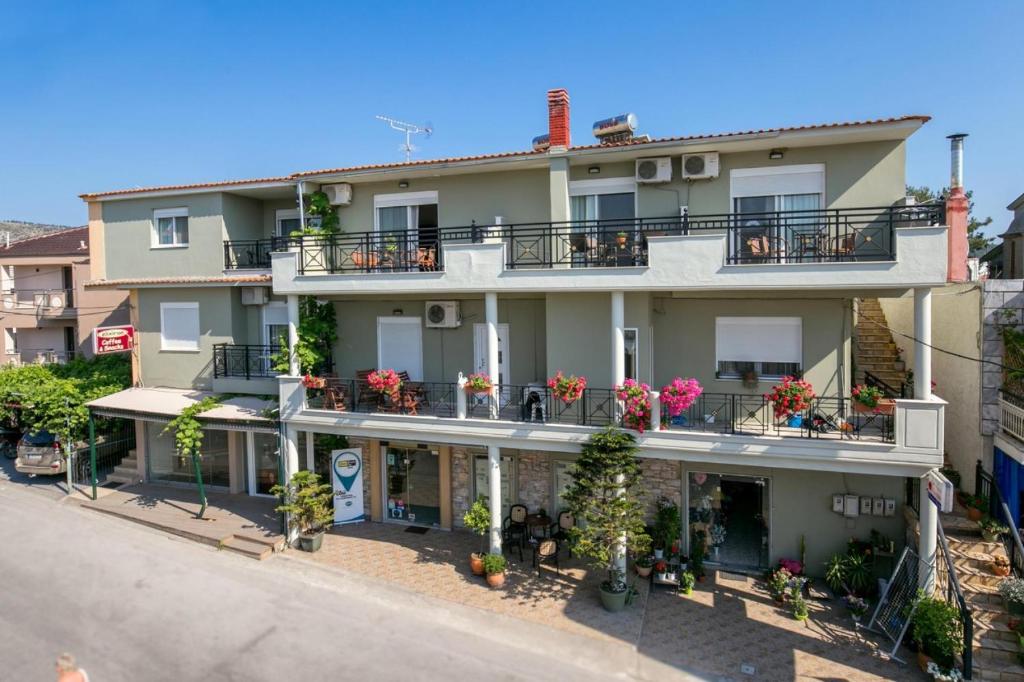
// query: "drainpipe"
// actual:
[[302, 208]]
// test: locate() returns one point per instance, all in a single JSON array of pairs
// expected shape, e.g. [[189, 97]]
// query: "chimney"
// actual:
[[558, 118], [958, 250]]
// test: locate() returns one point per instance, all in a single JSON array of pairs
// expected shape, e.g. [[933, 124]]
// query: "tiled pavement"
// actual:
[[728, 621]]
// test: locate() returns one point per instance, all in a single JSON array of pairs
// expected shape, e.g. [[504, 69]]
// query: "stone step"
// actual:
[[247, 547], [129, 471], [877, 345], [968, 544], [998, 651], [986, 631], [114, 477]]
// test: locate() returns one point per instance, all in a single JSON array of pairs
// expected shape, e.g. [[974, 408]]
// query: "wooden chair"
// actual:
[[844, 245], [560, 529], [546, 551], [514, 531], [335, 396], [426, 258], [365, 396]]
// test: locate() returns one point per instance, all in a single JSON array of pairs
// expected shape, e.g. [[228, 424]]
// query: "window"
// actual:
[[286, 221], [759, 193], [561, 479], [400, 345], [170, 227], [179, 326], [631, 349], [769, 346]]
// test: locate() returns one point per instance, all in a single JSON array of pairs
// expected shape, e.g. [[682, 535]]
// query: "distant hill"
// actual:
[[20, 229]]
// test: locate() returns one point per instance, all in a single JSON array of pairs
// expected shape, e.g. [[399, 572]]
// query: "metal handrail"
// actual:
[[985, 485], [887, 389], [954, 594], [244, 361]]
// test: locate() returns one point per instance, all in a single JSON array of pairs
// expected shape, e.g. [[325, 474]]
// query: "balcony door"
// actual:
[[777, 211], [406, 225], [275, 332], [594, 208], [400, 345], [480, 351]]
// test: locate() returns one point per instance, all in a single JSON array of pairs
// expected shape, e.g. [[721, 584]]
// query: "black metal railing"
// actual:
[[414, 398], [985, 485], [244, 361], [948, 585], [819, 236], [253, 254], [904, 390], [112, 446], [537, 404]]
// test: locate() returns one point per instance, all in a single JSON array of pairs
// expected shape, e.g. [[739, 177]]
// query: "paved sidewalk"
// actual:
[[727, 623]]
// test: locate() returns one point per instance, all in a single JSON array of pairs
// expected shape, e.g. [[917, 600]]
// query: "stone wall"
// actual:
[[1001, 298], [461, 488], [534, 480], [661, 478]]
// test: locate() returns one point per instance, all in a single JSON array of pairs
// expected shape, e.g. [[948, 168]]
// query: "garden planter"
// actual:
[[795, 421], [659, 554], [885, 406], [311, 542], [974, 514], [476, 563], [923, 660], [495, 579], [643, 571], [621, 241], [988, 536], [613, 601], [1002, 570]]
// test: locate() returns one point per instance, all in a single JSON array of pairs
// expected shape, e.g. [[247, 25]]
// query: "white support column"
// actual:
[[655, 397], [310, 451], [618, 338], [494, 496], [922, 345], [293, 335], [461, 400], [928, 540], [290, 453], [491, 318]]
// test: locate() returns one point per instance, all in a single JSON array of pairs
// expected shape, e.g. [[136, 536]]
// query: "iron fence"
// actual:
[[245, 361], [113, 444], [253, 254], [414, 398], [369, 252]]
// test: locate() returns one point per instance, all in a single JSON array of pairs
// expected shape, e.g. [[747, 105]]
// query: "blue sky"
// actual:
[[102, 96]]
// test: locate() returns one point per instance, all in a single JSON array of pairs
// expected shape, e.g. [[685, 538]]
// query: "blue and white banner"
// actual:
[[347, 477]]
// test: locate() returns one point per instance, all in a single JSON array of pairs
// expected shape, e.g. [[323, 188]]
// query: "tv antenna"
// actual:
[[409, 129]]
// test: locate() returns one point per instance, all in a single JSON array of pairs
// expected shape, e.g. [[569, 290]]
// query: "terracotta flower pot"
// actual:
[[621, 241], [974, 514], [495, 579], [643, 571], [1001, 570], [476, 563], [923, 660]]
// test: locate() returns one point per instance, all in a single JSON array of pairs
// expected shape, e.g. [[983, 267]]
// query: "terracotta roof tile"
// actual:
[[143, 281], [197, 185], [72, 241]]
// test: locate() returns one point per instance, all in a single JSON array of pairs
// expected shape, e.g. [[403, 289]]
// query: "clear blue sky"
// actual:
[[102, 96]]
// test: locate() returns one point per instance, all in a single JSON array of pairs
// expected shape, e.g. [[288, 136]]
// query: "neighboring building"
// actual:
[[1010, 256], [732, 258], [47, 315]]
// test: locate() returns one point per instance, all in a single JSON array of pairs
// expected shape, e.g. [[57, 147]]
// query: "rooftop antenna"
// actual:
[[409, 129]]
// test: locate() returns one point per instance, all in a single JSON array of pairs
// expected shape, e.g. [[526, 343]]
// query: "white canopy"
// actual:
[[163, 404]]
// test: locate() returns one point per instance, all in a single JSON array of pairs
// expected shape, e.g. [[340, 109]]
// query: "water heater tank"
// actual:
[[541, 143], [616, 125]]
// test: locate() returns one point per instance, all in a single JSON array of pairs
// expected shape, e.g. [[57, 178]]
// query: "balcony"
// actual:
[[44, 302], [1011, 414], [244, 368], [253, 254], [37, 356]]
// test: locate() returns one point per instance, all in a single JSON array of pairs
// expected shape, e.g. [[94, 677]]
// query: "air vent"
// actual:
[[700, 166], [654, 170]]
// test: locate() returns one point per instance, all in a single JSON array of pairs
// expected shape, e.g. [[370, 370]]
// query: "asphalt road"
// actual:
[[135, 604]]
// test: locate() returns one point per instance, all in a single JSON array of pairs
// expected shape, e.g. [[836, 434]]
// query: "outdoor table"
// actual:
[[538, 521]]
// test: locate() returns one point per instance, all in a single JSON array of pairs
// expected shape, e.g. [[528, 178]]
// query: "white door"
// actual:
[[480, 351], [400, 345]]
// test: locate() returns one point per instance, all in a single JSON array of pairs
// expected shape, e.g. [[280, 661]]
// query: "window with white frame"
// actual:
[[170, 227], [760, 194], [179, 326], [771, 347], [631, 350], [286, 221]]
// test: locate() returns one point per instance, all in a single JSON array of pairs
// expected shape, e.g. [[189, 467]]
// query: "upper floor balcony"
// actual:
[[892, 246], [245, 368], [48, 303]]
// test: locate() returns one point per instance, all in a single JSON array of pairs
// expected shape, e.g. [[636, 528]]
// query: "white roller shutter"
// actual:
[[758, 339], [400, 345]]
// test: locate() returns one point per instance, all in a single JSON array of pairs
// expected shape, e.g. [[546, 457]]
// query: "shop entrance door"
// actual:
[[413, 485], [731, 513]]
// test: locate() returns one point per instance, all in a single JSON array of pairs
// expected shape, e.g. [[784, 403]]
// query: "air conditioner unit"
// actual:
[[254, 295], [443, 314], [649, 171], [339, 194], [700, 166], [57, 301]]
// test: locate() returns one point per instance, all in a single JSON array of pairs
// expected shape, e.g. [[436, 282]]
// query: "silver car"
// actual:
[[40, 453]]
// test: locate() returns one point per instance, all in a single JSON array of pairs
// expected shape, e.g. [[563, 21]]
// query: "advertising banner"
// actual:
[[347, 477], [120, 339]]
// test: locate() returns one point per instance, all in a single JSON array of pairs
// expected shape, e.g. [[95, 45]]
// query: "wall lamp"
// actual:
[[398, 312], [594, 170], [403, 184], [776, 154]]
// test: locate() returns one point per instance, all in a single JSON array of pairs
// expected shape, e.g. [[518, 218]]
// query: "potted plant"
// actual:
[[1000, 566], [307, 502], [871, 400], [750, 379], [494, 567], [777, 581], [568, 389], [857, 607], [697, 549], [637, 400], [478, 519], [643, 565], [937, 631], [668, 525], [310, 381], [620, 239], [604, 497], [799, 606], [790, 400], [976, 505], [478, 384], [660, 569], [991, 529], [679, 395], [1012, 592], [385, 381], [686, 582], [939, 674]]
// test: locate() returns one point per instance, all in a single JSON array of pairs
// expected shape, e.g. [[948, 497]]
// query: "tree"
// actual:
[[975, 239], [317, 331], [188, 439], [605, 497]]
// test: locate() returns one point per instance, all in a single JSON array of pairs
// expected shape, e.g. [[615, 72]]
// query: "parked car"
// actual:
[[40, 453], [9, 442]]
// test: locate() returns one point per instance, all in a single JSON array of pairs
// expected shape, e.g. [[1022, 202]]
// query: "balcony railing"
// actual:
[[42, 300], [838, 235], [244, 361], [37, 356], [724, 413], [1011, 413]]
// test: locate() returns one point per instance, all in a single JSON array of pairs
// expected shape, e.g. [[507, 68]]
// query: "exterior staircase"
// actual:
[[995, 644], [874, 347], [125, 472]]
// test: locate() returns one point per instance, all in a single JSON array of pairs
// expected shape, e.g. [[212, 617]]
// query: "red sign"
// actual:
[[120, 339]]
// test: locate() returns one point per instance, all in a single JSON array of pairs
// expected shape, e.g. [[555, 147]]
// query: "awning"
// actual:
[[238, 413]]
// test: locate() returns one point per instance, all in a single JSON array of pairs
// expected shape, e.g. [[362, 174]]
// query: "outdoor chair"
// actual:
[[426, 258], [560, 529], [335, 396], [366, 398], [546, 551], [514, 529]]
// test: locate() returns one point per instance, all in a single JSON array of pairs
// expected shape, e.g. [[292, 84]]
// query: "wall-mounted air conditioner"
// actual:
[[339, 194], [700, 166], [442, 314], [254, 295], [650, 171], [58, 300]]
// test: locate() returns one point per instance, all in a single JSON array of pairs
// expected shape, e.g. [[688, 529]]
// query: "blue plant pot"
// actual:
[[795, 421]]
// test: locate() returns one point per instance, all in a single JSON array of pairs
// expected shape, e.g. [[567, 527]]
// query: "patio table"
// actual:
[[537, 522]]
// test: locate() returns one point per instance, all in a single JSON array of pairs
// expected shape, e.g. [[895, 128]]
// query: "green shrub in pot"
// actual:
[[936, 629]]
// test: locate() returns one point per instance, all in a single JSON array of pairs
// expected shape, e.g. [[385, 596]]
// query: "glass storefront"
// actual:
[[265, 461], [166, 465], [412, 481], [730, 515]]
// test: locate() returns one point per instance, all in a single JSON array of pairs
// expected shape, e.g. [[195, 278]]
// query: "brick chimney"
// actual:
[[558, 118], [956, 214]]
